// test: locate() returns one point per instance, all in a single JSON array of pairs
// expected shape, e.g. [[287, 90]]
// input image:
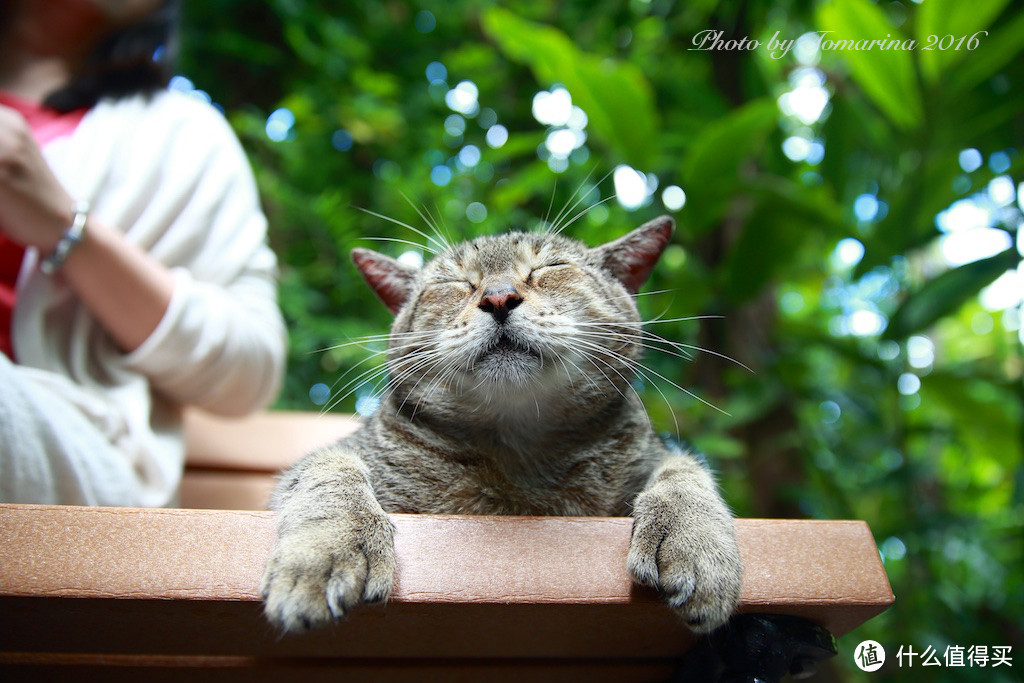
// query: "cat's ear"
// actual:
[[391, 280], [632, 257]]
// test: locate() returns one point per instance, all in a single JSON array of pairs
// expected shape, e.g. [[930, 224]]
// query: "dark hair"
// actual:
[[137, 59]]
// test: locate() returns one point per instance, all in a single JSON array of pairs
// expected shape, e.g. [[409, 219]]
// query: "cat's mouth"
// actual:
[[505, 345], [506, 358]]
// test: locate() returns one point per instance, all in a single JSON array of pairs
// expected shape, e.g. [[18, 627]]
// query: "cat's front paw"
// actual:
[[317, 574], [691, 557]]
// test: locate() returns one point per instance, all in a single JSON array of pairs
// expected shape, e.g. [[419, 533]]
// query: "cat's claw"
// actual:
[[695, 565], [316, 576]]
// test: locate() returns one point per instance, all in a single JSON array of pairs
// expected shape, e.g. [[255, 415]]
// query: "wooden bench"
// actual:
[[232, 463], [116, 594]]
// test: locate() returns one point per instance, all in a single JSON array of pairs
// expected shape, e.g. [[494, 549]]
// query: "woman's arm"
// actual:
[[188, 292], [124, 288]]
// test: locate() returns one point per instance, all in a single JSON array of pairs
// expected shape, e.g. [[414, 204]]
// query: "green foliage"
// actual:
[[615, 95], [914, 425], [946, 293], [949, 17], [886, 76], [711, 167]]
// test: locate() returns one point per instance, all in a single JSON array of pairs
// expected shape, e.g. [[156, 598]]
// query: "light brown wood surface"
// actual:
[[184, 582], [171, 594]]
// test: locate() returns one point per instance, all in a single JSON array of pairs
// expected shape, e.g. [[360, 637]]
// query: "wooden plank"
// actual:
[[225, 490], [108, 668], [174, 582], [264, 442]]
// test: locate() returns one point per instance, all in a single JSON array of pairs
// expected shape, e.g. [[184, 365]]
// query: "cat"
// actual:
[[510, 362]]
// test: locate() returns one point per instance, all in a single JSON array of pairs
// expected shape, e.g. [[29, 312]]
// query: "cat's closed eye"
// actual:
[[540, 270], [464, 284]]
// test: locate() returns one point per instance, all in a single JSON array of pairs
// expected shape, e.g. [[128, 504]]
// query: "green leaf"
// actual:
[[763, 250], [718, 445], [886, 76], [712, 163], [984, 412], [910, 223], [995, 51], [616, 96], [937, 19], [532, 181], [946, 293], [785, 217], [724, 143]]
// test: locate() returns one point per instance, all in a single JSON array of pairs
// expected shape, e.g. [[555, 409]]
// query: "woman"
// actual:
[[134, 272]]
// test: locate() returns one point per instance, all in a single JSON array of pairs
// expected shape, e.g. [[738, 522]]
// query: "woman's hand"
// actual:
[[35, 209], [126, 289]]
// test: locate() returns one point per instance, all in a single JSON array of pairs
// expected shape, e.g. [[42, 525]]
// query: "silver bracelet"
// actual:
[[68, 241]]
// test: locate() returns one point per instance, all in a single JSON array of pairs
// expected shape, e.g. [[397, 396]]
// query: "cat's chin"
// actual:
[[507, 362], [511, 367]]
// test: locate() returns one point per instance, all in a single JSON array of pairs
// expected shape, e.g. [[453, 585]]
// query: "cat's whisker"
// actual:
[[628, 341], [371, 375], [412, 361], [622, 332], [440, 227], [635, 295], [606, 377], [443, 238], [424, 247], [385, 336], [430, 238], [682, 345], [566, 362], [447, 231], [715, 353], [643, 370], [622, 343], [566, 208], [584, 212], [565, 368], [441, 378], [374, 353], [654, 337], [362, 378], [431, 364], [668, 404], [662, 321], [593, 361], [659, 321], [381, 393], [369, 372], [374, 338], [551, 204]]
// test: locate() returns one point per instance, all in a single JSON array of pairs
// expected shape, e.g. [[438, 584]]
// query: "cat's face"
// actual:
[[516, 317]]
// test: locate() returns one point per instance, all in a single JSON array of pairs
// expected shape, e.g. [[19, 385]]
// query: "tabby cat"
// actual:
[[510, 363]]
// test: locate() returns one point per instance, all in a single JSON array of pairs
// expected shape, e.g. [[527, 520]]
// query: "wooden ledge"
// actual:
[[264, 442], [232, 462], [126, 594], [183, 583]]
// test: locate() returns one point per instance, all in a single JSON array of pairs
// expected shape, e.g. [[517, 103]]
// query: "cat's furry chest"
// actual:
[[483, 488], [415, 470]]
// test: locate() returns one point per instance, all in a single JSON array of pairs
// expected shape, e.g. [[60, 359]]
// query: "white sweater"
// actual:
[[168, 172]]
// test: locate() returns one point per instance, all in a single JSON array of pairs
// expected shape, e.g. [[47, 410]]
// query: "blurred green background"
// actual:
[[853, 216]]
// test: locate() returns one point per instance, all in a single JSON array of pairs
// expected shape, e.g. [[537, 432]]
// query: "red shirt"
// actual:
[[47, 125]]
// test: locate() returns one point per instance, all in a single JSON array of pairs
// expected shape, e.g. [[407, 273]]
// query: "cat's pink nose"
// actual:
[[500, 300]]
